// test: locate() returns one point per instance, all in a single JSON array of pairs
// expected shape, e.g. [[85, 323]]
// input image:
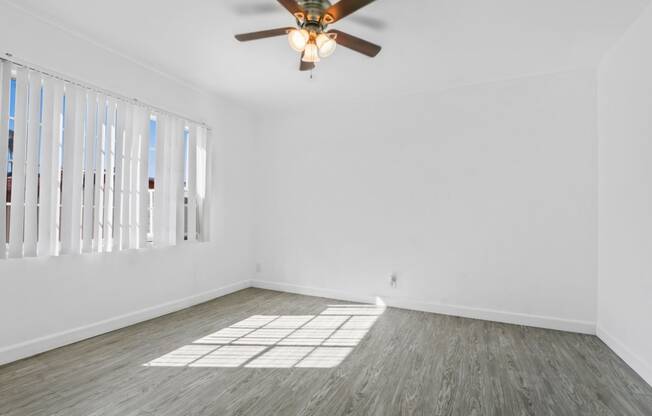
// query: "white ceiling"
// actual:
[[427, 44]]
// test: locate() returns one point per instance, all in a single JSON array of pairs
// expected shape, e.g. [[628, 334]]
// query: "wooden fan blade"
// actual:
[[305, 66], [357, 44], [245, 37], [293, 7], [344, 8]]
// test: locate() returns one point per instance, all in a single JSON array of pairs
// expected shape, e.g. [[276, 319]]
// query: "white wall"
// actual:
[[47, 302], [482, 199], [625, 202]]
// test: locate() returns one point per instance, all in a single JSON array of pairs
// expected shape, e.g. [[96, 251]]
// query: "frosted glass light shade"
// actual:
[[298, 39], [326, 45], [311, 53]]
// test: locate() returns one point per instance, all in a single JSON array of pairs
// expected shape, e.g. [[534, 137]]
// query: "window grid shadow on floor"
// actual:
[[279, 341]]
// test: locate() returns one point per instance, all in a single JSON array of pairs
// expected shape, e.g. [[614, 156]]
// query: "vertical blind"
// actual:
[[82, 170]]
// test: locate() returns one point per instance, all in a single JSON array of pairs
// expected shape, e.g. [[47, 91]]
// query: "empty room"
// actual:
[[326, 207]]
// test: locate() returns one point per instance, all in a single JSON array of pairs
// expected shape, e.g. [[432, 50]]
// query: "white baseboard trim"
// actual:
[[36, 346], [583, 327], [634, 361], [311, 291]]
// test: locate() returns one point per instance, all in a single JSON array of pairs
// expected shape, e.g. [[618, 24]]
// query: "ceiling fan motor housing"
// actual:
[[314, 12]]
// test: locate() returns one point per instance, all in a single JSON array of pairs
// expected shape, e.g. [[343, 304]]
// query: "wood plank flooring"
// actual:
[[408, 363]]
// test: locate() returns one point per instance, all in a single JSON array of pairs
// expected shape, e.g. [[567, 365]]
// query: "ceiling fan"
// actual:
[[311, 37]]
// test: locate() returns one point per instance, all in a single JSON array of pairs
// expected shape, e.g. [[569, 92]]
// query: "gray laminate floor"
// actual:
[[259, 352]]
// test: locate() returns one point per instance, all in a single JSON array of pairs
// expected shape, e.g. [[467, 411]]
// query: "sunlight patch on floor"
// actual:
[[279, 341]]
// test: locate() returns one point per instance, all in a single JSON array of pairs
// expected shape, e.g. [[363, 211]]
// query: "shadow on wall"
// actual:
[[280, 341]]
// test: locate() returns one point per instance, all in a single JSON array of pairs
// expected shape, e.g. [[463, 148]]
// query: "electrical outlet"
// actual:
[[393, 280], [259, 268]]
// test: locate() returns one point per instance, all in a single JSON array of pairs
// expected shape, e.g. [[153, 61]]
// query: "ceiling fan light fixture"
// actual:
[[298, 39], [326, 45], [312, 36], [311, 53]]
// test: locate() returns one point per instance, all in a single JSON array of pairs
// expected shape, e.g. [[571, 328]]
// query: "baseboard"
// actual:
[[634, 361], [583, 327], [311, 291], [36, 346]]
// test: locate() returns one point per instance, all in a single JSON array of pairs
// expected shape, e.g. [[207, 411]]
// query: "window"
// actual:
[[10, 156], [151, 169], [87, 171]]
